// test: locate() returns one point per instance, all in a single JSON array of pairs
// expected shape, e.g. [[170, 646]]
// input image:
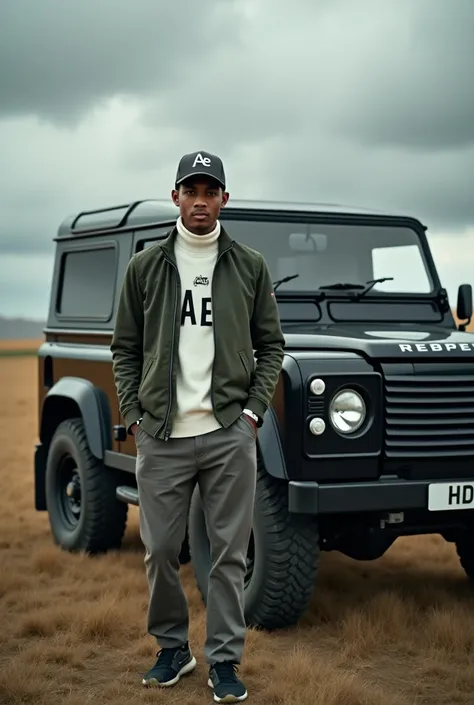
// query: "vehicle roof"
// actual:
[[152, 212]]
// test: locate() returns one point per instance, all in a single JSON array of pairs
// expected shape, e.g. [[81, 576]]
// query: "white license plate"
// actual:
[[450, 495]]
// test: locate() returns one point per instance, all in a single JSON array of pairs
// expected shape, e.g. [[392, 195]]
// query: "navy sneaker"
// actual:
[[227, 687], [170, 665]]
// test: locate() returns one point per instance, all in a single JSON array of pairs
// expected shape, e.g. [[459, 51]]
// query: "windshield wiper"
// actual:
[[282, 281], [371, 283], [342, 285], [347, 285]]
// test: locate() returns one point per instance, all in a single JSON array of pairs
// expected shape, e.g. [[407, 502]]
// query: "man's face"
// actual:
[[199, 201]]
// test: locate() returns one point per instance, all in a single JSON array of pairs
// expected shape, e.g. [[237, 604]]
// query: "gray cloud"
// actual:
[[390, 74], [416, 88], [436, 187], [60, 59], [364, 103]]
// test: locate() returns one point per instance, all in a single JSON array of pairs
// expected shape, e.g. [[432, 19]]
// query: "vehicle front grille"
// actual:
[[429, 416]]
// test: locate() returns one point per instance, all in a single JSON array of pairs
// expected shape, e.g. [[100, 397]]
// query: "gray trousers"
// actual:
[[223, 462]]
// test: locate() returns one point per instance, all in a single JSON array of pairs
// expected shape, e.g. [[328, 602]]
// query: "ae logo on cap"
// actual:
[[205, 161]]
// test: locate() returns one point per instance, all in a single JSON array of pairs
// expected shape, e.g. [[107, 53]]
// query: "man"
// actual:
[[192, 311]]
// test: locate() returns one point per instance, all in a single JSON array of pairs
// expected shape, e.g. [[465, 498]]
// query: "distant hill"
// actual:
[[20, 329]]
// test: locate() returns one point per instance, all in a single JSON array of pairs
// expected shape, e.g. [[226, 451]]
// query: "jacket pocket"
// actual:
[[244, 361], [154, 388], [146, 370]]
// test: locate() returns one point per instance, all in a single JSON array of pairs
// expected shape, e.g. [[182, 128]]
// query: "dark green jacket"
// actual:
[[146, 336]]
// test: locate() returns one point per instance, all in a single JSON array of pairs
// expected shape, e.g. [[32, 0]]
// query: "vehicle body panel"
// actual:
[[385, 342]]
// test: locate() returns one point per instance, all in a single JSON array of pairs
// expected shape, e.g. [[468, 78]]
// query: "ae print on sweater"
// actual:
[[201, 316]]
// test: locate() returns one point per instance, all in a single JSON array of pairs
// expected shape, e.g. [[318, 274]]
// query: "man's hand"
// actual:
[[133, 429], [251, 421]]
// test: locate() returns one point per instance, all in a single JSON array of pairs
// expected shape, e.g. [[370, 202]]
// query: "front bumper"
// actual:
[[384, 495]]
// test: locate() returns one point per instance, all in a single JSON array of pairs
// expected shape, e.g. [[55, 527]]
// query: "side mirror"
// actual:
[[464, 307]]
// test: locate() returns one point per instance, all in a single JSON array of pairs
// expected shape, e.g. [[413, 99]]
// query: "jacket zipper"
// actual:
[[167, 430], [214, 333]]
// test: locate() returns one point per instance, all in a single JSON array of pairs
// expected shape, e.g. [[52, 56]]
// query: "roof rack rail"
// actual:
[[137, 213], [149, 213], [95, 224]]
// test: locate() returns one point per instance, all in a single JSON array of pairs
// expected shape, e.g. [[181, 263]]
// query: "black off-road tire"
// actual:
[[286, 556], [465, 551], [100, 523]]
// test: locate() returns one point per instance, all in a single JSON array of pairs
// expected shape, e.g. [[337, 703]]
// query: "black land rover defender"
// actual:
[[370, 434]]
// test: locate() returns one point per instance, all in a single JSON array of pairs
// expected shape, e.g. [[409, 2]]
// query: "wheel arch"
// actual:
[[76, 396]]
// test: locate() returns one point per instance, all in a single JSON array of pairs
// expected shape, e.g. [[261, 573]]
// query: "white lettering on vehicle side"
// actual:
[[435, 347]]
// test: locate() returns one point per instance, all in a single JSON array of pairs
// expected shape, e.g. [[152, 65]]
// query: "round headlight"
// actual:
[[347, 411]]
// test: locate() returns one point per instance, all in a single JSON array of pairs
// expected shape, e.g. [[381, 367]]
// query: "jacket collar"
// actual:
[[224, 241]]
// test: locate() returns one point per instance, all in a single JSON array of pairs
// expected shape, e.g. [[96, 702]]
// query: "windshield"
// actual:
[[321, 255]]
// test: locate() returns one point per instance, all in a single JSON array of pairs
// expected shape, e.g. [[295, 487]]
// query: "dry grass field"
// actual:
[[18, 347], [24, 344], [398, 631]]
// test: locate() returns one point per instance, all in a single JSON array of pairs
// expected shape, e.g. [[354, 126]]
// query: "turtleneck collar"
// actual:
[[199, 245]]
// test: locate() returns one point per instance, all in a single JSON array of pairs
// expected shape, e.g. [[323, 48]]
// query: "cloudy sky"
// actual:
[[365, 102]]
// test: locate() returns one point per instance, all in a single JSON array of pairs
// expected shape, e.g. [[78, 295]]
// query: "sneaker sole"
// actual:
[[227, 698], [153, 683]]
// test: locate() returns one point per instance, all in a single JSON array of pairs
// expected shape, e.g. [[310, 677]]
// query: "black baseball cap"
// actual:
[[200, 163]]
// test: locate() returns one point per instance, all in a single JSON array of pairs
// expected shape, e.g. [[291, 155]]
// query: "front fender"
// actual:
[[93, 407]]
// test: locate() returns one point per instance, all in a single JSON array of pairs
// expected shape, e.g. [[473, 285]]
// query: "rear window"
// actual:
[[87, 283]]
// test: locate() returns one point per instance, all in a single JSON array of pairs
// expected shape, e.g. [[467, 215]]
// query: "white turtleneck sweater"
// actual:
[[195, 256]]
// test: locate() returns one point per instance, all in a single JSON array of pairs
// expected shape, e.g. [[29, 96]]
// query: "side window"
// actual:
[[143, 239], [87, 283], [145, 244]]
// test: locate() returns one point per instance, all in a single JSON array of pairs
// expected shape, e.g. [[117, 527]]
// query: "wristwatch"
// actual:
[[137, 422], [251, 414]]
